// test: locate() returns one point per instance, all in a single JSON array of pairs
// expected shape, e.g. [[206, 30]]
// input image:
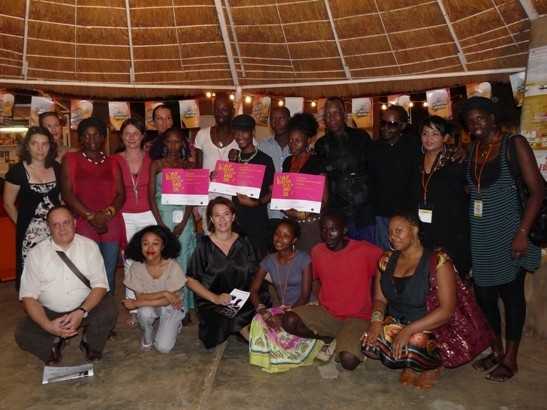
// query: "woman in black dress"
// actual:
[[252, 214], [302, 127], [222, 262], [443, 202], [32, 183]]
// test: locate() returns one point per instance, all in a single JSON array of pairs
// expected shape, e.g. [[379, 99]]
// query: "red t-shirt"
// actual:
[[346, 278]]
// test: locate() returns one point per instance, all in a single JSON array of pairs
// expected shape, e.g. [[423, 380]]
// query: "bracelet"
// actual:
[[377, 316], [523, 230], [111, 211], [89, 216]]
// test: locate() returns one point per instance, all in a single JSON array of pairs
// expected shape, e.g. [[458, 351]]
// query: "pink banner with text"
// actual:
[[185, 186], [232, 178], [302, 192]]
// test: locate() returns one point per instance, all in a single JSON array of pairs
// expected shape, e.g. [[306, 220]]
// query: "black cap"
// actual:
[[474, 103], [243, 122]]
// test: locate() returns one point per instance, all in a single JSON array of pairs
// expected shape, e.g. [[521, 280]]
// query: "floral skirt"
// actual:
[[420, 354], [277, 351]]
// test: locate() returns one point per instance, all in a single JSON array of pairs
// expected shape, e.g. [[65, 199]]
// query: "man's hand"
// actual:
[[57, 327], [247, 201], [73, 320]]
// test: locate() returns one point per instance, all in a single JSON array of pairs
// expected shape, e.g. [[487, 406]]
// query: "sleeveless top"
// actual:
[[492, 233]]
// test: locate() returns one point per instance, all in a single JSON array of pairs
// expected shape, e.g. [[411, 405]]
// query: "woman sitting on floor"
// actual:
[[158, 282], [289, 269], [400, 329]]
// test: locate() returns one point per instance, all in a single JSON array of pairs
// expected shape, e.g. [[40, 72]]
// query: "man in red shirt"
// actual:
[[344, 269]]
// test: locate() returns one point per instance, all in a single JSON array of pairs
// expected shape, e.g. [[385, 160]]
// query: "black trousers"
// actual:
[[512, 296], [97, 327]]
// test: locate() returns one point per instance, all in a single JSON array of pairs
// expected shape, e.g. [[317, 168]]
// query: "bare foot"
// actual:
[[426, 380], [408, 377]]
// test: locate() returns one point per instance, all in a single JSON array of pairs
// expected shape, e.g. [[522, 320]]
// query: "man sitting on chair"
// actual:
[[64, 288]]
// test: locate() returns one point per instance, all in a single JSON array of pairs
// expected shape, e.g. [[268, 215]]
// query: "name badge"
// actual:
[[177, 216], [425, 215], [477, 208]]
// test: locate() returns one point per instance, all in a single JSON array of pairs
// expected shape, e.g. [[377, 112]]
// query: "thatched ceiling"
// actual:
[[170, 43]]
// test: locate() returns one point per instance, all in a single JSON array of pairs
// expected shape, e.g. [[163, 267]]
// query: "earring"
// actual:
[[423, 151]]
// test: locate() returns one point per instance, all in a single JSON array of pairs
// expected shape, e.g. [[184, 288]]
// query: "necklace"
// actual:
[[103, 158], [285, 267], [478, 170], [240, 159]]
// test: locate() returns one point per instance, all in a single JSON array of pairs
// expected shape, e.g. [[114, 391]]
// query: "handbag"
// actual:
[[538, 230], [467, 333], [74, 269]]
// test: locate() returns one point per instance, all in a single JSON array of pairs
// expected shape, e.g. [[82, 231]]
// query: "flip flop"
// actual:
[[486, 363], [509, 373]]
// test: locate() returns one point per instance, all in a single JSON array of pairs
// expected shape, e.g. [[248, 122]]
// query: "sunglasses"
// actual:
[[390, 124]]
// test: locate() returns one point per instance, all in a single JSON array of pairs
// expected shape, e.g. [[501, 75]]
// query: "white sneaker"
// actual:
[[145, 347], [327, 351]]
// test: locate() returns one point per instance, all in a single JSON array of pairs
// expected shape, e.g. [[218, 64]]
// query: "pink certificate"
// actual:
[[232, 178], [302, 192], [185, 186]]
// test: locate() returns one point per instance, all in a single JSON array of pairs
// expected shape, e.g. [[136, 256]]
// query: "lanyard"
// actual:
[[425, 180], [478, 173]]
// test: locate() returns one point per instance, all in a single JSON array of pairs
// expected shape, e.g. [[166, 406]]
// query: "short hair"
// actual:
[[305, 123], [56, 208], [398, 109], [91, 122], [411, 216], [159, 107], [284, 109], [337, 100], [136, 122], [159, 150], [439, 123], [171, 245], [334, 214], [243, 122], [219, 200], [293, 226], [24, 152], [477, 103], [46, 114]]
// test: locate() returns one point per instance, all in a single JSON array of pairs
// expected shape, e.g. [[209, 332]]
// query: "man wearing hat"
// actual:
[[252, 214]]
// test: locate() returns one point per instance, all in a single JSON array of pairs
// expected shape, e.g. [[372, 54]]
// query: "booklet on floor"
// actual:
[[58, 374]]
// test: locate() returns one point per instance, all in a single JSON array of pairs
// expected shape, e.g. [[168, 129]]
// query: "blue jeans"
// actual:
[[110, 251], [364, 233], [382, 233]]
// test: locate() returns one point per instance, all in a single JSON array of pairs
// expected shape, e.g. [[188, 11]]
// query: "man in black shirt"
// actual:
[[393, 166], [343, 154]]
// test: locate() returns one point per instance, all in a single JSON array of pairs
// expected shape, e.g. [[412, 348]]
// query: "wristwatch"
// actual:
[[83, 310]]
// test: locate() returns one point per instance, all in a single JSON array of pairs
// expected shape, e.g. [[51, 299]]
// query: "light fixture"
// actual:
[[208, 94], [280, 103], [248, 99], [313, 104], [384, 106], [16, 128], [214, 94], [411, 104], [425, 104], [232, 97]]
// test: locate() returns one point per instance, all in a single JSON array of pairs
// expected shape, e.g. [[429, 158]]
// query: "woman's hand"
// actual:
[[400, 342], [223, 299], [173, 299], [178, 229], [130, 304], [519, 247], [247, 201], [370, 337]]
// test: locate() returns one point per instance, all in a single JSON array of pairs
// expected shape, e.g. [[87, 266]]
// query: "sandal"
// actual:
[[486, 363], [132, 320], [408, 377], [427, 379], [500, 374]]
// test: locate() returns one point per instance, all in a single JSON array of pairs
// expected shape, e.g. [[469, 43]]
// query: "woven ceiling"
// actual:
[[147, 48]]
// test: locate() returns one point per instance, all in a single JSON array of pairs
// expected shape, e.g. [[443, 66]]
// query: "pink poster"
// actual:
[[185, 186], [232, 178], [302, 192]]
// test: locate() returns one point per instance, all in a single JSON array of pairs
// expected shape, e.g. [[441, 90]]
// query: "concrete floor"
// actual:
[[192, 378]]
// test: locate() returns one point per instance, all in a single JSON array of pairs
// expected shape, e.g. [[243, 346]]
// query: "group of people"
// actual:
[[405, 220]]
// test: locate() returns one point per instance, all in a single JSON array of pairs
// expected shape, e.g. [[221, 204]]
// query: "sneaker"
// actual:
[[327, 351], [145, 347]]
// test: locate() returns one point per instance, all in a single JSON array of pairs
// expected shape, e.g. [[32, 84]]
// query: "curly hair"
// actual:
[[171, 245], [293, 226], [24, 153], [91, 122], [305, 123]]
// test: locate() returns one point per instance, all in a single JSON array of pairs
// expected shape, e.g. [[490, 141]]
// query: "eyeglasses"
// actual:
[[390, 124]]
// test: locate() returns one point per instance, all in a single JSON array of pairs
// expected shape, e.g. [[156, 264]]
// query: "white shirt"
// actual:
[[211, 152], [49, 280]]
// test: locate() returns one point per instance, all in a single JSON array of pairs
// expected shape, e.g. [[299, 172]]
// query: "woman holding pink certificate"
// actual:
[[252, 214], [178, 218], [302, 127]]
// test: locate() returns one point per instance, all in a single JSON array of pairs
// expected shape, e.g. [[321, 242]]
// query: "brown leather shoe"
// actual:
[[91, 355], [56, 353]]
